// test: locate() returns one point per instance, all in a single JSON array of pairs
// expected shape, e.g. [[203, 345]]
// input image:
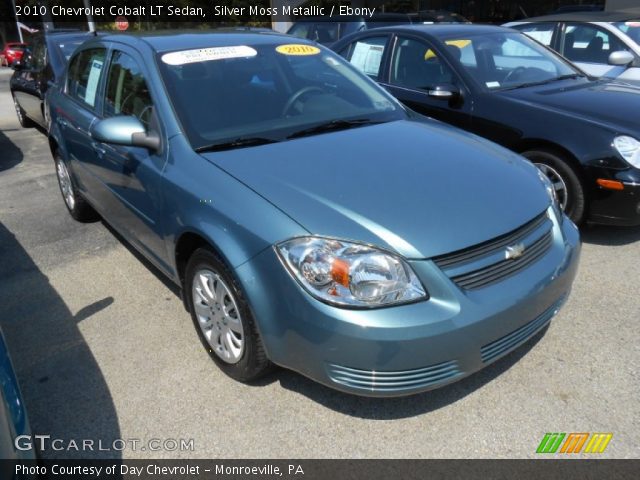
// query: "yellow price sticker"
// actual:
[[297, 49]]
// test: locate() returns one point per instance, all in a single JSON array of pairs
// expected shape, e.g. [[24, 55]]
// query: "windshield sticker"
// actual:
[[297, 49], [92, 83], [206, 54], [493, 84]]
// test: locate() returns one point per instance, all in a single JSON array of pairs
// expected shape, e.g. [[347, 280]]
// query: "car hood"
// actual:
[[421, 189], [611, 104]]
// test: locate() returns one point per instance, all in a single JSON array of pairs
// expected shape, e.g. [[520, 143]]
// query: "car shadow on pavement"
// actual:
[[402, 407], [10, 155], [609, 236], [65, 393]]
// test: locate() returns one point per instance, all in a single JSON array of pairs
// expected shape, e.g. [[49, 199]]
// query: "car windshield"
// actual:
[[631, 28], [500, 61], [244, 95]]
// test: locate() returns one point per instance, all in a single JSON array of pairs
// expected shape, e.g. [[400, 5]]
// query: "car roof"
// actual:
[[446, 29], [170, 40], [585, 17]]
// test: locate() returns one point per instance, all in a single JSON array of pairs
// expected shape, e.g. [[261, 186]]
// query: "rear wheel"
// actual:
[[25, 121], [566, 182], [222, 318], [76, 204]]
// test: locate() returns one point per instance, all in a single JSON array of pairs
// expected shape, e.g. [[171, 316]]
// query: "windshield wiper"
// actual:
[[545, 82], [237, 143], [331, 126]]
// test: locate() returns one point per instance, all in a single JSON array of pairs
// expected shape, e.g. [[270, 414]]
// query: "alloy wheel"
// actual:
[[558, 183], [65, 184], [218, 315]]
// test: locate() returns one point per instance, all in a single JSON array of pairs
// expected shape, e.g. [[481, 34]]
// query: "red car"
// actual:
[[12, 51]]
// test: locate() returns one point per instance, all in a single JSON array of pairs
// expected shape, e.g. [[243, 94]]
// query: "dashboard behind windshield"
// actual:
[[507, 60]]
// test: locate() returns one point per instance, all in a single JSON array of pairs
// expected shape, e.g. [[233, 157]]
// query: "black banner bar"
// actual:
[[565, 469]]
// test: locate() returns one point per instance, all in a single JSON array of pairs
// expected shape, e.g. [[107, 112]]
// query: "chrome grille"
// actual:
[[474, 267], [393, 381], [509, 342]]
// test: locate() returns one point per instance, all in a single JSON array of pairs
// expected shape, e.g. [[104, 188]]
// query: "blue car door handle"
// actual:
[[99, 149], [62, 122]]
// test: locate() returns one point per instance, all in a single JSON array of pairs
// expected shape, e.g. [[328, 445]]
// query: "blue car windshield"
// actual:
[[268, 92]]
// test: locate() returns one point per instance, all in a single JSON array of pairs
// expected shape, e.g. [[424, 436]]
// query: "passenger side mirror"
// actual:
[[17, 65], [444, 91], [621, 58], [125, 130]]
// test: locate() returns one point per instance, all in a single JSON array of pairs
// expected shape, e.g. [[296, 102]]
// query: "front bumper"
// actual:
[[411, 348], [616, 207]]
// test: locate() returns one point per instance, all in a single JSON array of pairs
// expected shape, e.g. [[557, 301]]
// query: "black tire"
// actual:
[[79, 209], [252, 363], [25, 122], [576, 200]]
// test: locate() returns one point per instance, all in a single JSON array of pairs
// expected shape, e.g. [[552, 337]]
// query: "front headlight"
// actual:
[[629, 148], [350, 274]]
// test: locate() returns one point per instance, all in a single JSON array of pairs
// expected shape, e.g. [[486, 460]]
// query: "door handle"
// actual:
[[99, 149], [62, 122]]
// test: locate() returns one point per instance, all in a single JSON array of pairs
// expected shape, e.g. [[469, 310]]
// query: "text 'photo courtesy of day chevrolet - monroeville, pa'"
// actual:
[[319, 239]]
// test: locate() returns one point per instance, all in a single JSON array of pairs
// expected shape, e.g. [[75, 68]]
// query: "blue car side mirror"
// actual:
[[125, 130]]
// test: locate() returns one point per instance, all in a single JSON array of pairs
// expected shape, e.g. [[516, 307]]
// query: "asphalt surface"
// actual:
[[104, 349]]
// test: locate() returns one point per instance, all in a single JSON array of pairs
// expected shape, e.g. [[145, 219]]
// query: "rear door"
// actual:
[[75, 113]]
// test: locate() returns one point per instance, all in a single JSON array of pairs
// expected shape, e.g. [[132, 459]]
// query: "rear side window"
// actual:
[[85, 71], [127, 92]]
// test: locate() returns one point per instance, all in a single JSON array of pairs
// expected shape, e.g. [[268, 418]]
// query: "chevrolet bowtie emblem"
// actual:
[[514, 251]]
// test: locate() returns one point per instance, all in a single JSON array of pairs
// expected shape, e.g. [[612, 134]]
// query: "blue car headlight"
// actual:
[[349, 274], [629, 148]]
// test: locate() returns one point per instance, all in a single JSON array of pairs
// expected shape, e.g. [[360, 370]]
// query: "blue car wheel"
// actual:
[[78, 207], [222, 318]]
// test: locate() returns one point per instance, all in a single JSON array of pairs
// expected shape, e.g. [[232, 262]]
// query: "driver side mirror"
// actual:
[[621, 58], [125, 130], [17, 65], [444, 91]]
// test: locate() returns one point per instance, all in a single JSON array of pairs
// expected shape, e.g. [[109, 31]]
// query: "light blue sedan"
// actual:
[[310, 220]]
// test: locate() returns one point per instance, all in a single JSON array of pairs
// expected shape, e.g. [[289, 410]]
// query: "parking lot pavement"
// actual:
[[104, 349]]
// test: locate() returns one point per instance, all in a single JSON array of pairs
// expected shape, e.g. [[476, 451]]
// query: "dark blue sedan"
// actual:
[[310, 220]]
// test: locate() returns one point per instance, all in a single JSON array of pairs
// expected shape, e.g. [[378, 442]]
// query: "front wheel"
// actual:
[[565, 180], [223, 319], [76, 204]]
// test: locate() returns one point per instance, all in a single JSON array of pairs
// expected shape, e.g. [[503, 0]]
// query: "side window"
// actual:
[[415, 65], [366, 55], [588, 43], [127, 92], [84, 75], [35, 55], [300, 30], [542, 32]]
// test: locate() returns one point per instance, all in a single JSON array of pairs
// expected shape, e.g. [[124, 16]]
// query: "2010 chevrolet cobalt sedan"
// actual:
[[311, 221]]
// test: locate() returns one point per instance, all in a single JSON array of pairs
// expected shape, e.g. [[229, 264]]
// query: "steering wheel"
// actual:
[[297, 95], [514, 73]]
